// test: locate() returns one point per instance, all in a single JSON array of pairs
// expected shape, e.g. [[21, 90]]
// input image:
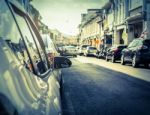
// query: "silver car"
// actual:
[[90, 50], [70, 51]]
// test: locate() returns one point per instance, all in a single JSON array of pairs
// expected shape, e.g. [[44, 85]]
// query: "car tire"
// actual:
[[134, 62], [97, 56], [146, 65], [113, 59], [75, 56], [122, 60]]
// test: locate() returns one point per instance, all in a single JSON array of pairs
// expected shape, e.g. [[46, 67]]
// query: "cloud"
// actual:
[[65, 15]]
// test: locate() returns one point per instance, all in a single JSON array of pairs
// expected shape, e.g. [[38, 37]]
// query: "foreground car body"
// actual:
[[138, 52], [29, 83]]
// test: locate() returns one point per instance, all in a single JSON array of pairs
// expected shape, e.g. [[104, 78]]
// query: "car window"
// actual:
[[71, 47], [51, 51], [122, 47], [84, 46], [36, 58], [10, 33], [92, 48]]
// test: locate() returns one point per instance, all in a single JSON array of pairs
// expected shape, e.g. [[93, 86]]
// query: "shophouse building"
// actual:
[[138, 20], [90, 28], [120, 8], [106, 25]]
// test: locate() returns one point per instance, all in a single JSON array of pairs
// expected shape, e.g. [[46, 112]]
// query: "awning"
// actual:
[[134, 17]]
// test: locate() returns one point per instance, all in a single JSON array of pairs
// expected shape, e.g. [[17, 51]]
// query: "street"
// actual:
[[96, 87]]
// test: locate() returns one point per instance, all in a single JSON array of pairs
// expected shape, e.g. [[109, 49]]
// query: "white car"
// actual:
[[70, 51], [82, 49], [90, 50]]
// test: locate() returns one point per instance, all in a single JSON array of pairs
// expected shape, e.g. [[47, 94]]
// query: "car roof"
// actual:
[[85, 45]]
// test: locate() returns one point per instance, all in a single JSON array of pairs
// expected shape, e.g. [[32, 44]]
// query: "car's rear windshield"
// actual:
[[85, 46], [121, 47], [92, 48], [70, 47]]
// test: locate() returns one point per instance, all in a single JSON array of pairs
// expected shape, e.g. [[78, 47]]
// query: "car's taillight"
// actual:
[[115, 50]]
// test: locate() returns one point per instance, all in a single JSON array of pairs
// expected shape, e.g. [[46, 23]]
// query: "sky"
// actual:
[[64, 15]]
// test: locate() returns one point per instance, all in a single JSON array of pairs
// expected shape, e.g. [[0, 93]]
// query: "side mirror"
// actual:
[[61, 62]]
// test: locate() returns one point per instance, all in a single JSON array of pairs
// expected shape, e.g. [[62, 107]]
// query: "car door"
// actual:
[[128, 52], [23, 64]]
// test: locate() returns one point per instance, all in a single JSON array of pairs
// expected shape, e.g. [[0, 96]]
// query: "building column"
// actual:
[[116, 37], [147, 21]]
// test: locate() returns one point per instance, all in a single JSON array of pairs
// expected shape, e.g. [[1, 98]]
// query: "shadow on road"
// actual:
[[94, 90]]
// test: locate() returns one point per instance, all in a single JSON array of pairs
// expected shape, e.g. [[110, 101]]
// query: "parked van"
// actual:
[[29, 83]]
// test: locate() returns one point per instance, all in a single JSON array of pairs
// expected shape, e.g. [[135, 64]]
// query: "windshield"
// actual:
[[70, 47], [92, 48]]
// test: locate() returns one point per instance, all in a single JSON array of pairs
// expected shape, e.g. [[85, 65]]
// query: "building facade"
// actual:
[[107, 23], [120, 22], [90, 28]]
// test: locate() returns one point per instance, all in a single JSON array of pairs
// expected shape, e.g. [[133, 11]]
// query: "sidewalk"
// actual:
[[140, 73]]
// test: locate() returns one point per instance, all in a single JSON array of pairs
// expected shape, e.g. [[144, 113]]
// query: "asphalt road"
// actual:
[[90, 88]]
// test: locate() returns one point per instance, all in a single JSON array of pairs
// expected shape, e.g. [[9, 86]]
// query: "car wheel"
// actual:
[[146, 65], [97, 56], [113, 59], [122, 60], [107, 58], [134, 61], [75, 56]]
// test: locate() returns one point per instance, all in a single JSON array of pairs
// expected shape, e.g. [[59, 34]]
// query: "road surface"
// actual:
[[96, 87]]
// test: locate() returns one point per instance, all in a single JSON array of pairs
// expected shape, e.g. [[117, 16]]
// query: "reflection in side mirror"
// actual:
[[61, 62]]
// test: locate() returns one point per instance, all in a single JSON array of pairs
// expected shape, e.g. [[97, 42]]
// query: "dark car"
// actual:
[[101, 53], [138, 52], [82, 49], [114, 53]]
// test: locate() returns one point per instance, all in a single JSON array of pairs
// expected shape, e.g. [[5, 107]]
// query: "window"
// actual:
[[22, 40], [36, 54], [10, 33], [135, 3], [50, 49]]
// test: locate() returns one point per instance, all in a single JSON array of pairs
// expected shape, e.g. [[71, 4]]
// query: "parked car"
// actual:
[[138, 52], [114, 53], [69, 51], [101, 53], [82, 49], [28, 80], [90, 50]]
